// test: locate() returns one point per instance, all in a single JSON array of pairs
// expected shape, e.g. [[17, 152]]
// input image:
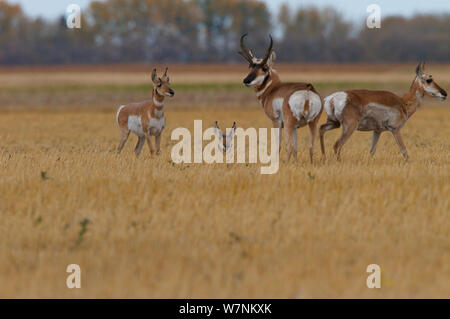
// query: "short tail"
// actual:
[[306, 106], [118, 111], [329, 106]]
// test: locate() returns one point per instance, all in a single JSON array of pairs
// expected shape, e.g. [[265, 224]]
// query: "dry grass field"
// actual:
[[149, 228]]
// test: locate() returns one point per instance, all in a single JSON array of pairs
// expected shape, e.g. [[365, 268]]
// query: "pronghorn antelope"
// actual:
[[145, 119], [288, 105], [377, 111], [225, 140]]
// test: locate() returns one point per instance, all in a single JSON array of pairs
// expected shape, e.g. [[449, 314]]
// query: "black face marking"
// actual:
[[250, 77], [429, 81]]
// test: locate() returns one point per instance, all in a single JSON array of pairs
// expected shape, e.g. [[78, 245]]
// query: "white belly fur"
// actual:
[[156, 125], [135, 125], [379, 117], [339, 101], [277, 106], [297, 105]]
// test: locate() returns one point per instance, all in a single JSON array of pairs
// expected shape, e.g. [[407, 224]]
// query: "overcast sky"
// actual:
[[352, 9]]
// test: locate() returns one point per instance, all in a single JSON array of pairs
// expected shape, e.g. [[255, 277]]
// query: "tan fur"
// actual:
[[146, 111], [360, 112], [272, 88]]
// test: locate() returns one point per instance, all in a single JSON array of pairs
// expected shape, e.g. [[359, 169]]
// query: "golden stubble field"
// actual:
[[158, 229]]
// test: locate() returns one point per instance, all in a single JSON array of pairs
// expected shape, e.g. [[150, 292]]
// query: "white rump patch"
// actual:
[[135, 125], [118, 111], [297, 105], [339, 101]]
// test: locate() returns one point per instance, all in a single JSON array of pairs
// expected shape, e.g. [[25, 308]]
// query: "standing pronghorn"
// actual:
[[145, 119], [288, 105], [377, 111]]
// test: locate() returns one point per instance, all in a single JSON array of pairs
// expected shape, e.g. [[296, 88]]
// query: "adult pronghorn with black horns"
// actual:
[[145, 119], [288, 105], [377, 111]]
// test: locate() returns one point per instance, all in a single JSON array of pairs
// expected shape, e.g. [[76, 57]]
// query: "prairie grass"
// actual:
[[148, 228]]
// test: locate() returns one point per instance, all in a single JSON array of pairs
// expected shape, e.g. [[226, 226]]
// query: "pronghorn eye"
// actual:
[[429, 81]]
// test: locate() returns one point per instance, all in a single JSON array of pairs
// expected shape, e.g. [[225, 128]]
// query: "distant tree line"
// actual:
[[209, 31]]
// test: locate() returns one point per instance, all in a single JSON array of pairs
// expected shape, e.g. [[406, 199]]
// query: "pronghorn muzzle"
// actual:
[[249, 79]]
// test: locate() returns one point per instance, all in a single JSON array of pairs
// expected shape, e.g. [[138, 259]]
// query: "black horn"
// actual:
[[269, 51], [244, 51]]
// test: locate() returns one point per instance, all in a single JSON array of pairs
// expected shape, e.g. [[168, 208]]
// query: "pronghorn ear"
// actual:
[[420, 69], [271, 59], [154, 76], [218, 131], [232, 131], [166, 76]]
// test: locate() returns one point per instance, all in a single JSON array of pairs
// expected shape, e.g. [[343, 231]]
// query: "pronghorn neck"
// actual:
[[158, 99], [413, 98], [263, 90]]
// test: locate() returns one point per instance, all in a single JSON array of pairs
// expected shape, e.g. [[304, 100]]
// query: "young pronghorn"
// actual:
[[225, 140], [145, 119], [377, 111], [288, 105]]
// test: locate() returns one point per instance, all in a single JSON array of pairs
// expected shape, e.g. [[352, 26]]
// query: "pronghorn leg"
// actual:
[[139, 145], [280, 130], [294, 143], [124, 133], [347, 130], [289, 129], [149, 143], [329, 125], [158, 143], [398, 138], [375, 138], [312, 131], [279, 125]]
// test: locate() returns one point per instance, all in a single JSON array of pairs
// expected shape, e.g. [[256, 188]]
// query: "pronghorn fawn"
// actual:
[[288, 105], [225, 139], [145, 119], [377, 111]]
